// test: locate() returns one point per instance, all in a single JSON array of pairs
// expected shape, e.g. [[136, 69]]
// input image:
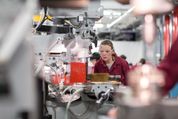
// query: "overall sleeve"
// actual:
[[96, 69], [170, 67], [125, 68]]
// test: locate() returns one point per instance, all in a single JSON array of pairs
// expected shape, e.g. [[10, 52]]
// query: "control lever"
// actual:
[[103, 96]]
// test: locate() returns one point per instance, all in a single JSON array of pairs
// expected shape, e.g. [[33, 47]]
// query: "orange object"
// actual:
[[78, 72], [175, 24], [166, 35]]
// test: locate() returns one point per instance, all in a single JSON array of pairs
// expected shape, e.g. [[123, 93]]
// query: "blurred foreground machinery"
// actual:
[[18, 89], [145, 98]]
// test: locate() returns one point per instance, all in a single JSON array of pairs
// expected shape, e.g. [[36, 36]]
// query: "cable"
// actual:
[[70, 101], [66, 90], [45, 17], [77, 27], [43, 20]]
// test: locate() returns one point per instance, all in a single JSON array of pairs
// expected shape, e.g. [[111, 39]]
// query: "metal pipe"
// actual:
[[171, 30], [121, 17]]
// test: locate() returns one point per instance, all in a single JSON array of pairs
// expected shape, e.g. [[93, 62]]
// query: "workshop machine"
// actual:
[[62, 53]]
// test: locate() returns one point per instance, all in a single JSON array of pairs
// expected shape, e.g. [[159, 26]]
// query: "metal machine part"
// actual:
[[84, 107], [76, 21], [104, 96], [77, 110], [100, 88]]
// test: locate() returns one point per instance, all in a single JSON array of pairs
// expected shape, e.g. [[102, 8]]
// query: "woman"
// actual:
[[110, 62]]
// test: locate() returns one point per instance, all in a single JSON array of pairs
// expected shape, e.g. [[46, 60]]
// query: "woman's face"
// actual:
[[106, 52]]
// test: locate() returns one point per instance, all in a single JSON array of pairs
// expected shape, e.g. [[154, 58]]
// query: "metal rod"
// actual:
[[120, 18]]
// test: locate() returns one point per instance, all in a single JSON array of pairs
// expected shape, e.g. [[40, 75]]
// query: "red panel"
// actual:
[[78, 72]]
